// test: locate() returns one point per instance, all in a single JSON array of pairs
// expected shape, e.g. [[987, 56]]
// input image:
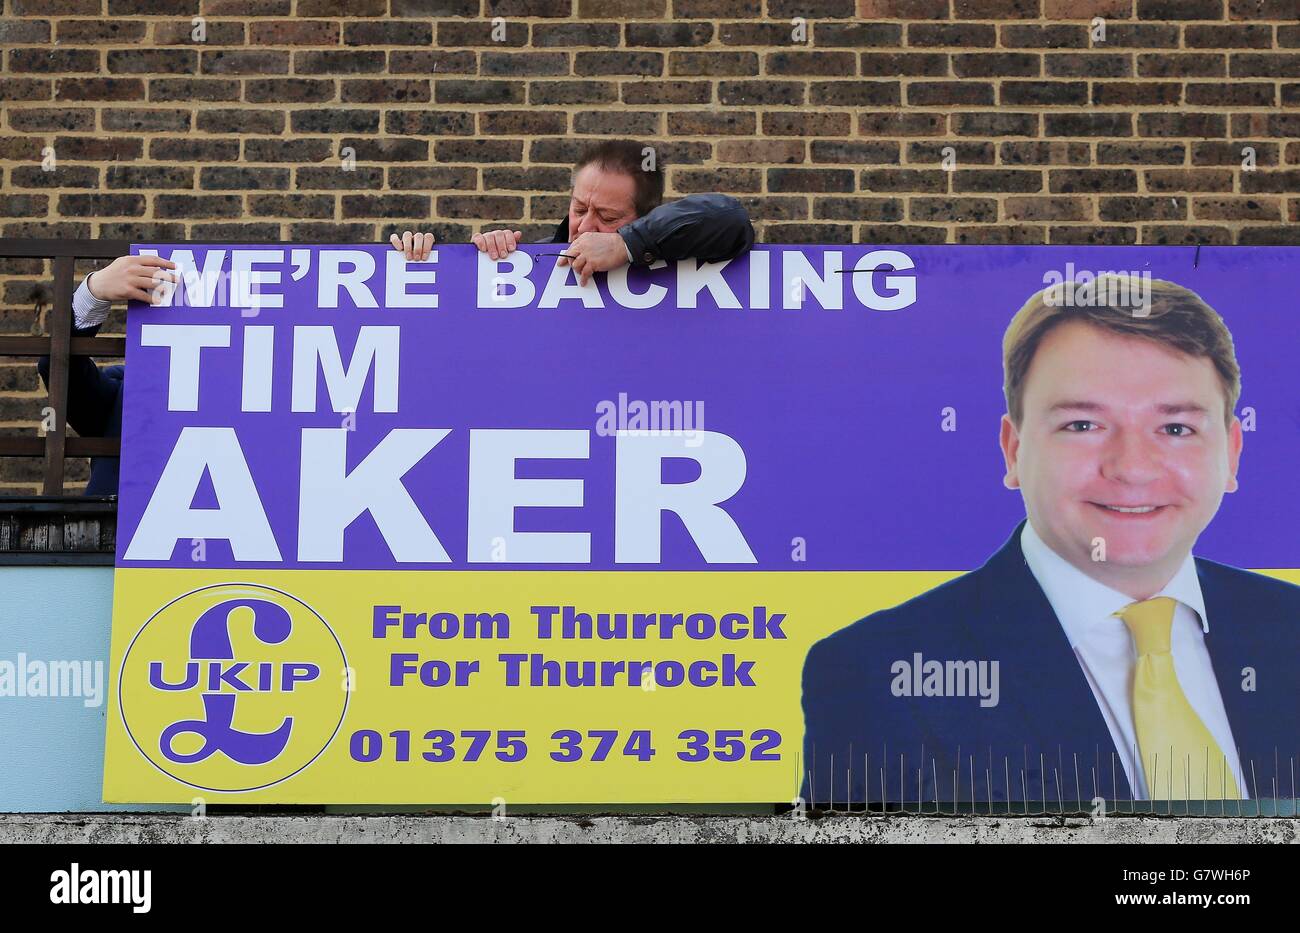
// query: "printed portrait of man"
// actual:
[[1093, 654]]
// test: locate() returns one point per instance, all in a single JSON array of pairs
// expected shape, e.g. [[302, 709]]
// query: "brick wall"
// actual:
[[830, 119]]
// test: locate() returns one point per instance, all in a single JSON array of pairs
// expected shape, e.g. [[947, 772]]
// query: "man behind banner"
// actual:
[[1092, 643], [615, 218]]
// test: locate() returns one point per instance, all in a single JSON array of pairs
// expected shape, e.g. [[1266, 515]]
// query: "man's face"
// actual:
[[601, 201], [1124, 440]]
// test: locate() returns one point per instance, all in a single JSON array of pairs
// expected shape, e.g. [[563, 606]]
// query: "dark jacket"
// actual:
[[1024, 748], [710, 227]]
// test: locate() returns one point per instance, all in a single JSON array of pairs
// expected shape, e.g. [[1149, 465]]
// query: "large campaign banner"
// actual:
[[821, 523]]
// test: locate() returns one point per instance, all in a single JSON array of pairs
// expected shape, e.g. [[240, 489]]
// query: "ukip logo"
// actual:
[[233, 687]]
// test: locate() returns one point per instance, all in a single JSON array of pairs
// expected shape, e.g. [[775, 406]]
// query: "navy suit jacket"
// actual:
[[1025, 747]]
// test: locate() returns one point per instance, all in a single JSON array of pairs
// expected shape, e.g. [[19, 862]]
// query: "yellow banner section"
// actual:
[[469, 687]]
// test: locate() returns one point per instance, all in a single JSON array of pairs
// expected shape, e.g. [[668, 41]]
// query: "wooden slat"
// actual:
[[24, 346], [16, 248], [79, 346], [60, 339], [72, 446], [98, 346], [93, 446], [22, 446]]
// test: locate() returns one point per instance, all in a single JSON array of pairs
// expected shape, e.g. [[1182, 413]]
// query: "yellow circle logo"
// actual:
[[233, 687]]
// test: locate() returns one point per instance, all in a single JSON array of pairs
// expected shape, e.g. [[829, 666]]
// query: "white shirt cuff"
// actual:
[[87, 310]]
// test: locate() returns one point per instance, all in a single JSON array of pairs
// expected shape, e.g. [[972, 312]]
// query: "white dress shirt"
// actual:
[[87, 310], [1102, 642]]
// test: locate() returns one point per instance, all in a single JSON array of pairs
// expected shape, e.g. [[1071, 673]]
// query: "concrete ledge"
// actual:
[[166, 828]]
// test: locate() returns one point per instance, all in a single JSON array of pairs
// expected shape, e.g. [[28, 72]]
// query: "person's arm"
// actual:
[[90, 392], [708, 227]]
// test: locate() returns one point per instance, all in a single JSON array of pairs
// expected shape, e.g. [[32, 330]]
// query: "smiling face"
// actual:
[[1125, 440], [602, 201]]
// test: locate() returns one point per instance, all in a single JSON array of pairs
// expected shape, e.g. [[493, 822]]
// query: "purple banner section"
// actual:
[[841, 389]]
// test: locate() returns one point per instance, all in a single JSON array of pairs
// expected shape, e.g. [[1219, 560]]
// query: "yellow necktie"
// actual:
[[1169, 732]]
